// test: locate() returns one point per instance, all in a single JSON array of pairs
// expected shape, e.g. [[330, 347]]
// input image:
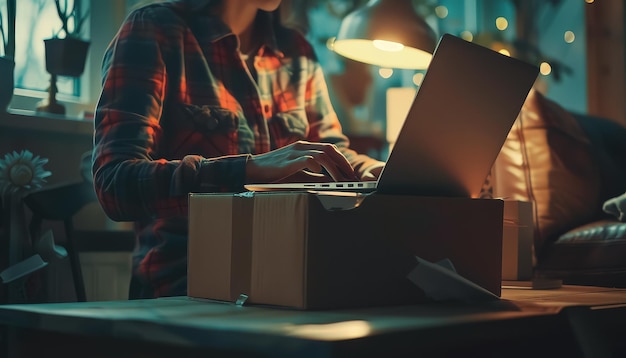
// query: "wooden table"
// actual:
[[570, 321]]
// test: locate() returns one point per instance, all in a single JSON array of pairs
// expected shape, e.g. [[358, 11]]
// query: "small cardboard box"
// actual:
[[517, 241], [322, 251]]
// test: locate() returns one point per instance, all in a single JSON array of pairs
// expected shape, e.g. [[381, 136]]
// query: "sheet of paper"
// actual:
[[441, 282], [22, 268]]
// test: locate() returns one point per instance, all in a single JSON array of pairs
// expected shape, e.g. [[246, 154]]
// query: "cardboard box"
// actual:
[[517, 241], [318, 251]]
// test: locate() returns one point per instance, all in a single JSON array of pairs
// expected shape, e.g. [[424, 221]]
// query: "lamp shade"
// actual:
[[386, 33]]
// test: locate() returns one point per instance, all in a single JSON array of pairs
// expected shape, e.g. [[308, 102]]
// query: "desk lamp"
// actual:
[[386, 33], [389, 34]]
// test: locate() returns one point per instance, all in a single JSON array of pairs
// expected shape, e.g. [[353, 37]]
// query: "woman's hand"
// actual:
[[300, 161], [616, 206]]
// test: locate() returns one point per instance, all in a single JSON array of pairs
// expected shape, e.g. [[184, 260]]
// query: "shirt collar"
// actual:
[[208, 27]]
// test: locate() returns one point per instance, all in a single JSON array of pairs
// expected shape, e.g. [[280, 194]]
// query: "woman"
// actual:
[[205, 96]]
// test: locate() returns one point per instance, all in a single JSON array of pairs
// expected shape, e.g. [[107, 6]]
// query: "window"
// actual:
[[38, 20], [550, 34]]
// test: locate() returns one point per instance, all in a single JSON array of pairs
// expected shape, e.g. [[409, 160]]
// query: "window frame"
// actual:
[[111, 13]]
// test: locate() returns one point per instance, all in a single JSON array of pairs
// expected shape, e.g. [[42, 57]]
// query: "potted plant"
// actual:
[[66, 52], [7, 56]]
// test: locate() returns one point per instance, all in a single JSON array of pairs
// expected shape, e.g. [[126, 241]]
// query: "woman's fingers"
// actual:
[[330, 158], [330, 167], [320, 166], [322, 158]]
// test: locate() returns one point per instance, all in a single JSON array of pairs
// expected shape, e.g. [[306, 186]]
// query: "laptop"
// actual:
[[455, 128]]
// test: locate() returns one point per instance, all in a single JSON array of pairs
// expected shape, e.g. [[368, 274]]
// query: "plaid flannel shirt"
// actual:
[[180, 112]]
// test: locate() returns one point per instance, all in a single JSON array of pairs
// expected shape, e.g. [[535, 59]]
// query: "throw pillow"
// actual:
[[547, 159]]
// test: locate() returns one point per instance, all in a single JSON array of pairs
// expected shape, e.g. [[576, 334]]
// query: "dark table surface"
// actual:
[[269, 331]]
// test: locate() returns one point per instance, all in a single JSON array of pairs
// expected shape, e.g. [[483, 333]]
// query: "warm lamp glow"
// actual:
[[418, 78], [385, 72], [502, 23], [329, 331], [388, 45], [467, 36], [545, 68], [441, 12], [366, 51], [386, 33]]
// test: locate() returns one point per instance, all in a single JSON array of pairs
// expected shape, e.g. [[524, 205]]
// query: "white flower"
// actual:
[[21, 172]]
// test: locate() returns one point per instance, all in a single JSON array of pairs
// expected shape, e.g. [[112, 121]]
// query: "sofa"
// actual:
[[567, 165]]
